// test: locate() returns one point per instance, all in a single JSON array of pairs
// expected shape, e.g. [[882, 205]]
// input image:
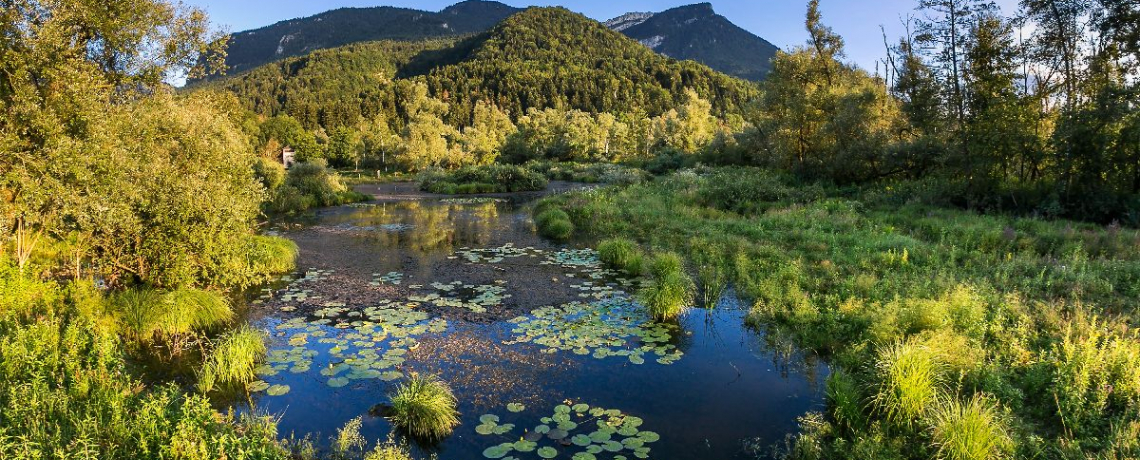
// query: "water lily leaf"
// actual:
[[584, 456], [649, 436], [277, 390], [497, 451], [485, 429], [516, 407], [581, 440], [547, 452], [337, 382], [489, 418], [256, 386]]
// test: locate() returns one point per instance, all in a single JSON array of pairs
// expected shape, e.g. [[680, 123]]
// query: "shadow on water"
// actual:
[[728, 386]]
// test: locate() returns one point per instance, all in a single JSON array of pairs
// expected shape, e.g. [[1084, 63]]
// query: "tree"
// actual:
[[690, 128], [63, 67], [427, 140], [345, 147], [944, 30], [489, 130]]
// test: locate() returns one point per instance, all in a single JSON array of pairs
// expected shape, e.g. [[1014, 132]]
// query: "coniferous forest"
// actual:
[[491, 223]]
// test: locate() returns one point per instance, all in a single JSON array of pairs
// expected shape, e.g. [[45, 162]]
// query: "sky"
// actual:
[[779, 22]]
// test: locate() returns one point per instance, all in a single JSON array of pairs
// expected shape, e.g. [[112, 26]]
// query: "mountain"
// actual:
[[538, 58], [696, 32], [345, 26]]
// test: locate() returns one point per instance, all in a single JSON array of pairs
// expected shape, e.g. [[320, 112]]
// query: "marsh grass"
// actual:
[[172, 318], [233, 359], [389, 450], [912, 381], [622, 254], [348, 441], [554, 224], [425, 407], [970, 430], [669, 290]]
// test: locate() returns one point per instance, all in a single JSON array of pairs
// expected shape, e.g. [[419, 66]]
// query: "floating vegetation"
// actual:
[[390, 278], [294, 292], [496, 255], [611, 327], [580, 431], [473, 200], [352, 228], [367, 344], [458, 295]]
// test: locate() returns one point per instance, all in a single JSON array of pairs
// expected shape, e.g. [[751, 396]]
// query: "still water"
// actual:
[[538, 341]]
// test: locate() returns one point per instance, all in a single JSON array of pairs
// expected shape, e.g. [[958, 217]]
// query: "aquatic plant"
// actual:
[[579, 430], [622, 254], [670, 290], [554, 224], [389, 450], [233, 359], [424, 406], [612, 327], [971, 430], [348, 439], [911, 382], [148, 314]]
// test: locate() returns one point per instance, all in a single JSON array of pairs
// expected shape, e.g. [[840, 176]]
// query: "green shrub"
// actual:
[[270, 173], [558, 229], [670, 290], [911, 382], [493, 178], [312, 184], [233, 359], [425, 407], [622, 254], [970, 431]]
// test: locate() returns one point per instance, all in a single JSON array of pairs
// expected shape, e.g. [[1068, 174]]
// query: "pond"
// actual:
[[545, 349]]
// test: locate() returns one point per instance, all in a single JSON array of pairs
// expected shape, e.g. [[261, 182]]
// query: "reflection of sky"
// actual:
[[729, 386]]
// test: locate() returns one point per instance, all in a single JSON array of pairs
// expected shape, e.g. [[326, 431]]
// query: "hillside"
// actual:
[[345, 26], [696, 32], [541, 57]]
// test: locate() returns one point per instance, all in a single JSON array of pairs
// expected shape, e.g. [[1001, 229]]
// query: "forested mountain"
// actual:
[[696, 32], [344, 26], [539, 58]]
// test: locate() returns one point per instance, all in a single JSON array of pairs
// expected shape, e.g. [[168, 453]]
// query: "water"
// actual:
[[707, 386]]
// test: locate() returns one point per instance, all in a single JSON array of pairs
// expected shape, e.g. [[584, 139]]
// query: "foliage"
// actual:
[[65, 390], [348, 438], [309, 185], [172, 316], [670, 290], [425, 407], [622, 254], [554, 224], [233, 359], [980, 328], [492, 178]]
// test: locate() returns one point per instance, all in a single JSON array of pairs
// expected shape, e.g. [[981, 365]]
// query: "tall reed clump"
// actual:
[[911, 381], [425, 407], [971, 430], [622, 254], [670, 290], [272, 254], [233, 359]]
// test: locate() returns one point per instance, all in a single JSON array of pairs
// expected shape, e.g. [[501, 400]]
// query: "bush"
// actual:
[[554, 224], [425, 407], [622, 254], [312, 184], [670, 290], [233, 359], [494, 178]]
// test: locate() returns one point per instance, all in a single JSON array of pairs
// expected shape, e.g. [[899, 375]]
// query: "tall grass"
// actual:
[[425, 407], [348, 439], [971, 430], [912, 381], [173, 318], [670, 290], [233, 359], [554, 224], [389, 450], [622, 254]]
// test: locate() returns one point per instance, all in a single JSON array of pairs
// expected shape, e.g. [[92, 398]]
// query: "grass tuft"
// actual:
[[233, 360], [970, 431], [911, 382], [554, 224], [348, 439], [670, 290], [424, 406], [622, 254]]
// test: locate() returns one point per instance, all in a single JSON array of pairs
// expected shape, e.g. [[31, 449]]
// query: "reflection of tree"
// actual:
[[434, 226]]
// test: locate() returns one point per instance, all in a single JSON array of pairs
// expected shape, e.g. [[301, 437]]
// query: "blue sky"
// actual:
[[780, 22]]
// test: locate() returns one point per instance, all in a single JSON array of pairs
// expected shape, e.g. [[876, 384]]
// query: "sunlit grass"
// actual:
[[233, 359], [971, 430], [911, 382], [622, 254], [424, 406], [669, 290]]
